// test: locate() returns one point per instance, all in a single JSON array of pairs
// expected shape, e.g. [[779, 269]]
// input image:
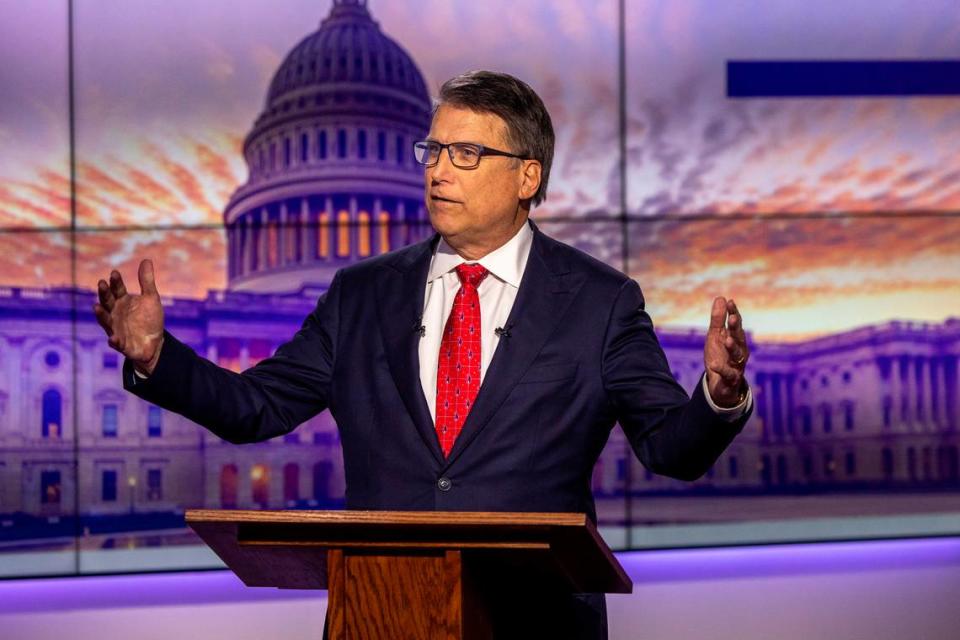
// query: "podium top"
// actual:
[[288, 548]]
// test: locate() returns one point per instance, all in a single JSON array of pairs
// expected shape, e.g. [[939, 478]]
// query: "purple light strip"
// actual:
[[789, 559], [645, 567], [135, 590]]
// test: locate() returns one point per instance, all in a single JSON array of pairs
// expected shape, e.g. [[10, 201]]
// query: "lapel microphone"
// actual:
[[418, 326], [503, 332]]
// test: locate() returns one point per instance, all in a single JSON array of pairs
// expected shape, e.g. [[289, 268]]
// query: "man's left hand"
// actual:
[[725, 354]]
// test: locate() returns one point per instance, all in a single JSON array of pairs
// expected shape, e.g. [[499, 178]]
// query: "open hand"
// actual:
[[725, 353], [133, 323]]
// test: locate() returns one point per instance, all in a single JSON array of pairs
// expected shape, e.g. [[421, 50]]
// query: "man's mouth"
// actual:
[[437, 198]]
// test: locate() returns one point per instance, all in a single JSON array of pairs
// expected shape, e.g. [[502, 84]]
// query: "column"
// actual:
[[778, 414], [937, 388], [906, 391], [247, 244], [893, 388], [307, 239], [791, 426], [772, 388], [943, 391], [231, 251], [87, 362], [17, 400], [926, 393], [331, 229], [263, 240], [354, 228], [282, 239], [762, 399], [375, 248], [237, 246]]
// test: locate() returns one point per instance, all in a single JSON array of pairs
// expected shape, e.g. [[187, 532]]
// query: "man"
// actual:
[[482, 369]]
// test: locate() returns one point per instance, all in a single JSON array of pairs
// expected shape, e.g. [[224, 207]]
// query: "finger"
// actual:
[[735, 320], [733, 324], [735, 348], [148, 283], [105, 295], [116, 284], [729, 375], [718, 313], [726, 358], [115, 343], [737, 352], [103, 318]]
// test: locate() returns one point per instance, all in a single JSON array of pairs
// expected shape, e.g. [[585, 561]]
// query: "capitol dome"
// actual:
[[332, 177]]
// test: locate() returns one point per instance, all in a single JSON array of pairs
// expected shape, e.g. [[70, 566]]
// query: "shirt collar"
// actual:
[[506, 262]]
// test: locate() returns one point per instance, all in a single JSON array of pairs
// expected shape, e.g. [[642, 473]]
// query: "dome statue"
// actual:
[[332, 177]]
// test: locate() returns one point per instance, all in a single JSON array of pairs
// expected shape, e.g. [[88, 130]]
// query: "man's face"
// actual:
[[473, 207]]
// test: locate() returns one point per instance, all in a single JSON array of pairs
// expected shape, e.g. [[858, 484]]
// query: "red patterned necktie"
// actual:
[[458, 369]]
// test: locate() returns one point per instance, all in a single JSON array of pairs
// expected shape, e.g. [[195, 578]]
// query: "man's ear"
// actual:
[[529, 179]]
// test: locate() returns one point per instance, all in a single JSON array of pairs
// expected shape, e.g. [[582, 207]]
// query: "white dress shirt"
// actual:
[[497, 293]]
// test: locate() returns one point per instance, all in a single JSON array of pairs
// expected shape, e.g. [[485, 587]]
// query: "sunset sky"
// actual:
[[166, 93], [691, 150]]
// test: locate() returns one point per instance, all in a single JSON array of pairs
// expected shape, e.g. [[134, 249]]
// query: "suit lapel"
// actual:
[[546, 290], [401, 289]]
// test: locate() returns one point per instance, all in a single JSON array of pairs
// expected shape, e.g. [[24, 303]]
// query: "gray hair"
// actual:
[[529, 128]]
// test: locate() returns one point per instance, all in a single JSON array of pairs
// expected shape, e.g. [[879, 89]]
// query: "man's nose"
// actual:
[[444, 169]]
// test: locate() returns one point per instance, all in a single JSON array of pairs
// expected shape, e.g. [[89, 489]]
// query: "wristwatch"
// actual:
[[744, 388]]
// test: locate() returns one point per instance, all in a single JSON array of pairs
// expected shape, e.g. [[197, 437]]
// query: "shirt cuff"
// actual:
[[730, 414]]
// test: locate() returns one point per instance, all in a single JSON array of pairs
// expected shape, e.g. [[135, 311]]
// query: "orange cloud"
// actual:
[[92, 179], [156, 193], [35, 259], [878, 175], [19, 211], [186, 182], [53, 196], [782, 268], [817, 151], [188, 263], [215, 165], [843, 172]]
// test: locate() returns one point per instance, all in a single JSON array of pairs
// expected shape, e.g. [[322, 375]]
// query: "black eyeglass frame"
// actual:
[[482, 150]]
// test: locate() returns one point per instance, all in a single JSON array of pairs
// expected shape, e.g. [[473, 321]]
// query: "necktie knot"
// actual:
[[472, 274]]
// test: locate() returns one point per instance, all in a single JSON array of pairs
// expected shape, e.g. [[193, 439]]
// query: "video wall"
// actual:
[[252, 150]]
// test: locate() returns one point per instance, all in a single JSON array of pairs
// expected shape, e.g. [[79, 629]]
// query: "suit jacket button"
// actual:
[[444, 484]]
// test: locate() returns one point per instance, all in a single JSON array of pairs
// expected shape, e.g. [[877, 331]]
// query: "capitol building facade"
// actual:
[[332, 180]]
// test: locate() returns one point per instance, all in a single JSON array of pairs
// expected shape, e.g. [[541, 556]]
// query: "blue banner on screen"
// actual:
[[842, 78]]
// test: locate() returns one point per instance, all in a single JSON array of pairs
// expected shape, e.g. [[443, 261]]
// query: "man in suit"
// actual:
[[482, 369]]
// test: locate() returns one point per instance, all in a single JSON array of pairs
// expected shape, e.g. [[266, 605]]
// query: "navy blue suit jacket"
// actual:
[[581, 355]]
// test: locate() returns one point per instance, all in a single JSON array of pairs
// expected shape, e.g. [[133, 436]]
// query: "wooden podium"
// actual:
[[411, 574]]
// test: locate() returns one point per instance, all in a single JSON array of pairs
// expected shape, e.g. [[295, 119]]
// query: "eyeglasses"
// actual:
[[465, 155]]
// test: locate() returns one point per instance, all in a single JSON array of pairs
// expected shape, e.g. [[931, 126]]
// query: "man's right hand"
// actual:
[[133, 323]]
